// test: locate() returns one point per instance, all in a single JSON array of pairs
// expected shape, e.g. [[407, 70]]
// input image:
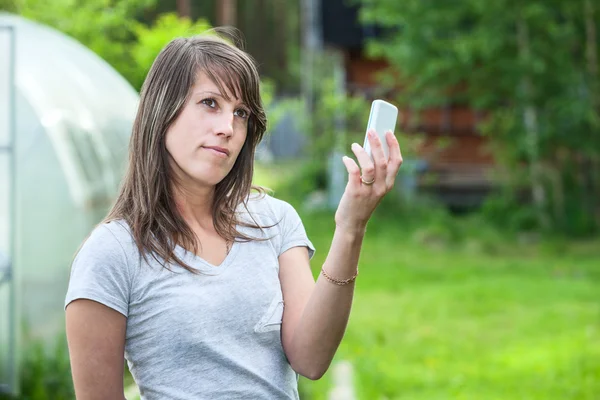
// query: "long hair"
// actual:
[[146, 199]]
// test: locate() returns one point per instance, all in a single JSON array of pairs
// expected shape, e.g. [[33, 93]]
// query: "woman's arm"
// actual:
[[316, 315], [96, 338]]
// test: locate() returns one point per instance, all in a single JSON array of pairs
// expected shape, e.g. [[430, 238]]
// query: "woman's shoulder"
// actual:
[[108, 237], [267, 205], [102, 269]]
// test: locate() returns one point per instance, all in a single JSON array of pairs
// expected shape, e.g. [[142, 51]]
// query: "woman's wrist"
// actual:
[[351, 230]]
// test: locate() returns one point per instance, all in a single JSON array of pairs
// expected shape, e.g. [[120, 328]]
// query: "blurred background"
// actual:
[[480, 272]]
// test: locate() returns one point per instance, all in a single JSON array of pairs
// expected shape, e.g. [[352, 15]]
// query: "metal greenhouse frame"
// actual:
[[8, 326]]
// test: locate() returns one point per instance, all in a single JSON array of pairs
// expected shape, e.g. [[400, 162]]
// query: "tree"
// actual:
[[113, 29], [104, 26], [151, 39], [532, 66]]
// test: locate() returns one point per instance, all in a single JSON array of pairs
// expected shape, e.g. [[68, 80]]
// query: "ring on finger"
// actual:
[[367, 182]]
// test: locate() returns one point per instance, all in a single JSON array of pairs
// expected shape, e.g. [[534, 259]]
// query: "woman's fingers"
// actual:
[[353, 170], [376, 149], [381, 162], [366, 164], [379, 170], [395, 160]]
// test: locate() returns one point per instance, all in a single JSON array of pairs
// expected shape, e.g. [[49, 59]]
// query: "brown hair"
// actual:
[[146, 200]]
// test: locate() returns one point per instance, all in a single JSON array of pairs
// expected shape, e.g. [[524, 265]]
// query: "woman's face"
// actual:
[[207, 136]]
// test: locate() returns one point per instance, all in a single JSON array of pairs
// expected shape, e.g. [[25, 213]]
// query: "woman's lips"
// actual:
[[218, 151]]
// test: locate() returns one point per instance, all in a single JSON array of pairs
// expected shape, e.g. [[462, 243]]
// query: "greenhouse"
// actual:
[[65, 121]]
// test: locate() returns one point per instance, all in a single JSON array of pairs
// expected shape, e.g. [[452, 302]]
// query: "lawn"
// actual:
[[460, 311], [482, 317]]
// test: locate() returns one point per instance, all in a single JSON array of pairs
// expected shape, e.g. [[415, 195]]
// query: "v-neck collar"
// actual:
[[204, 266]]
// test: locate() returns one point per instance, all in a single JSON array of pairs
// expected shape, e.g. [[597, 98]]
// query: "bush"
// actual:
[[105, 27], [46, 371], [151, 39]]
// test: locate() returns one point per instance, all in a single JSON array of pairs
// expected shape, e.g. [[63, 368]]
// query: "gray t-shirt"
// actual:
[[214, 335]]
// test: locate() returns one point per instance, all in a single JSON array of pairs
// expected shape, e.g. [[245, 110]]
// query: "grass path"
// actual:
[[483, 317], [462, 321], [478, 317]]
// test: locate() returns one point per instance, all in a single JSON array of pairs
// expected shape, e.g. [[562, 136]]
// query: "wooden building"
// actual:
[[457, 161]]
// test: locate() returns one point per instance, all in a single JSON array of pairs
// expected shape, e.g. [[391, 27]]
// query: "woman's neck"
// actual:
[[195, 206]]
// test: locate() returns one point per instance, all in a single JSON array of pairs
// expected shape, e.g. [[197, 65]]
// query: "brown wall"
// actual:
[[455, 150]]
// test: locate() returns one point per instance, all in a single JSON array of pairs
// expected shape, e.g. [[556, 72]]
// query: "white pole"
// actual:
[[337, 170], [342, 380], [311, 46], [8, 319]]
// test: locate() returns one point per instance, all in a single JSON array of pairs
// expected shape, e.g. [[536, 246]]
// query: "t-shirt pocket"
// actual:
[[271, 320]]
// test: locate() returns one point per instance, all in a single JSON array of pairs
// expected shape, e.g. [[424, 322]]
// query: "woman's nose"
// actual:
[[225, 124]]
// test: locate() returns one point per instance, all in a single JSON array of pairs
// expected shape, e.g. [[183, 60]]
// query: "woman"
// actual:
[[188, 275]]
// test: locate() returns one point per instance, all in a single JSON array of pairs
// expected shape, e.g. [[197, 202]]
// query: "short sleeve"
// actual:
[[100, 272], [292, 230]]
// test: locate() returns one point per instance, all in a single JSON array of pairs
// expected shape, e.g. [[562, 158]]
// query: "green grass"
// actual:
[[467, 315], [445, 308]]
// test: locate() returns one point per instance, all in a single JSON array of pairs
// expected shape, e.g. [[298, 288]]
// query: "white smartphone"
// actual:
[[382, 118]]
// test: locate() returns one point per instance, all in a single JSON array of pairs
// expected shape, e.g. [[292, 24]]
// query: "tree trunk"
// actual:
[[591, 47], [555, 175], [184, 8], [591, 53], [311, 46], [530, 122], [281, 20], [226, 12]]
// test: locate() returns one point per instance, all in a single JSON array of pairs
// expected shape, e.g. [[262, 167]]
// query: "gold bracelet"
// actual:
[[337, 281]]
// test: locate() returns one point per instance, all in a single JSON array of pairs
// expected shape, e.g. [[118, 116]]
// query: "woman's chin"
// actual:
[[209, 179]]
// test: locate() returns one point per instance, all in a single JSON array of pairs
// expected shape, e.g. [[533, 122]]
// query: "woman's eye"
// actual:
[[209, 102], [240, 112]]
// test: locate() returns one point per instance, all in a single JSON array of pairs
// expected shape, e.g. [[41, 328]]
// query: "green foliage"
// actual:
[[337, 120], [151, 39], [295, 180], [46, 371], [450, 307], [112, 29], [533, 67], [454, 309], [104, 26], [444, 308], [8, 5], [275, 112]]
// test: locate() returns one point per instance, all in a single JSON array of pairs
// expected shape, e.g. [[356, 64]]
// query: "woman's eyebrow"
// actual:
[[203, 92], [218, 94]]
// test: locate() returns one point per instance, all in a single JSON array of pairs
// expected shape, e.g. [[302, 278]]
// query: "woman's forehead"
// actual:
[[220, 82]]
